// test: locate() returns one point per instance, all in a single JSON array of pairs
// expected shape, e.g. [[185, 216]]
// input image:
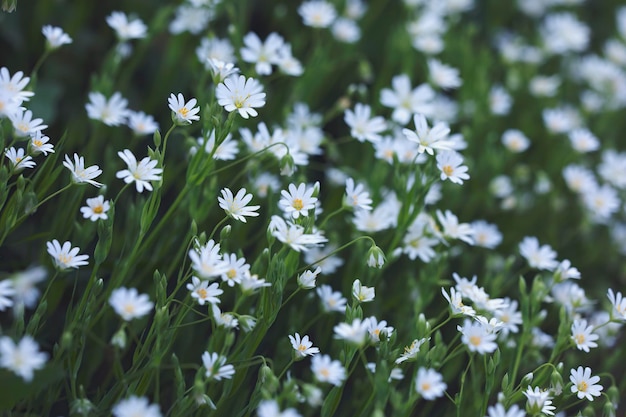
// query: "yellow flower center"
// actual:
[[98, 209], [475, 340], [580, 339], [183, 111], [448, 170], [129, 308], [37, 142], [301, 348], [325, 372], [65, 259], [425, 386], [582, 386], [202, 293], [231, 273], [298, 204]]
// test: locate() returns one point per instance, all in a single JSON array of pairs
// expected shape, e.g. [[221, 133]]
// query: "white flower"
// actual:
[[207, 261], [55, 37], [190, 18], [410, 352], [362, 125], [241, 94], [539, 401], [262, 54], [346, 30], [141, 123], [500, 100], [486, 234], [357, 196], [562, 33], [201, 291], [376, 328], [111, 112], [583, 336], [578, 178], [183, 113], [80, 173], [126, 29], [477, 337], [65, 256], [317, 13], [302, 346], [453, 229], [39, 144], [582, 140], [510, 317], [136, 406], [361, 293], [14, 85], [515, 140], [327, 370], [540, 257], [455, 299], [236, 206], [331, 300], [225, 320], [216, 367], [429, 384], [140, 173], [443, 75], [215, 49], [298, 200], [18, 159], [450, 165], [583, 384], [428, 138], [269, 408], [498, 410], [22, 358], [355, 332], [24, 124], [129, 304], [619, 304], [251, 282], [6, 292], [602, 202], [565, 270], [221, 70], [406, 101], [235, 269], [96, 208], [25, 285], [306, 280]]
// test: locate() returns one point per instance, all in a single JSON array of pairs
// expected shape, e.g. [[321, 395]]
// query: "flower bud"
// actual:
[[375, 257], [287, 165]]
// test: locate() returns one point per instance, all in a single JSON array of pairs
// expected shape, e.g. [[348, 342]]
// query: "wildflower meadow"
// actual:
[[312, 208]]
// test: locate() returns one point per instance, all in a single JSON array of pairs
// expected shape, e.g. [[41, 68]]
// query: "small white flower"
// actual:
[[582, 335], [14, 86], [540, 257], [22, 358], [96, 208], [126, 29], [39, 144], [331, 300], [216, 367], [306, 280], [302, 346], [428, 138], [140, 173], [486, 234], [142, 123], [236, 206], [355, 332], [362, 126], [25, 285], [515, 141], [298, 200], [453, 229], [207, 261], [410, 352], [65, 256], [24, 124], [450, 165], [498, 410], [136, 406], [361, 293], [317, 13], [429, 384], [327, 370], [375, 328], [477, 337], [583, 384], [539, 401], [203, 292], [241, 94], [583, 141], [357, 196], [262, 54], [443, 75], [129, 304], [455, 299], [55, 37], [6, 292], [270, 408], [18, 159], [183, 113], [80, 173], [111, 112], [225, 320], [236, 268], [619, 304], [221, 70]]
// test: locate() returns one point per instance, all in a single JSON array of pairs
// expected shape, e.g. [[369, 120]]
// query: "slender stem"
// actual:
[[167, 135], [221, 222], [339, 210], [335, 251]]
